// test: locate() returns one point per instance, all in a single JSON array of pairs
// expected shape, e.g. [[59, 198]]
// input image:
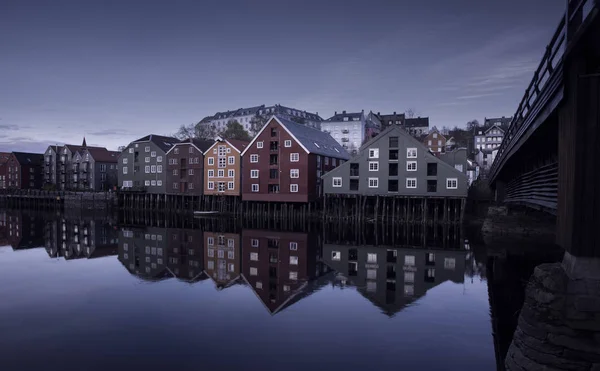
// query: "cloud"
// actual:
[[476, 96], [22, 144], [110, 132], [9, 127]]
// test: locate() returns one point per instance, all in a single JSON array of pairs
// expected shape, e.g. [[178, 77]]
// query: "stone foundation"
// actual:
[[559, 324]]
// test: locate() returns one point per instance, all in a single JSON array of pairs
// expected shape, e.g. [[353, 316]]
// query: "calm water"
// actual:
[[89, 293]]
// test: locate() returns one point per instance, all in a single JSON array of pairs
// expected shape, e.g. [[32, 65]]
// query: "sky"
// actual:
[[117, 70]]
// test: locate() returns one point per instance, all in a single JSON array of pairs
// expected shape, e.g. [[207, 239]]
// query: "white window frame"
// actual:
[[210, 185], [230, 173], [409, 166], [294, 157], [211, 161], [253, 158], [211, 173], [373, 165], [221, 173], [336, 256], [254, 174], [449, 182], [294, 188], [230, 186], [411, 152], [294, 173], [293, 260], [336, 182], [259, 144], [231, 160], [255, 188], [409, 184], [293, 246], [375, 182], [254, 242], [287, 143], [373, 152], [254, 256]]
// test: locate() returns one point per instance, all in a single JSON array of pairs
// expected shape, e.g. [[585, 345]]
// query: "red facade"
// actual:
[[276, 264], [24, 171], [185, 170], [280, 177]]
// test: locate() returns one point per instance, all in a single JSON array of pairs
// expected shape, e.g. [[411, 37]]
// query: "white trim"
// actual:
[[410, 179], [333, 179], [449, 180], [181, 144], [221, 140], [369, 182], [283, 126]]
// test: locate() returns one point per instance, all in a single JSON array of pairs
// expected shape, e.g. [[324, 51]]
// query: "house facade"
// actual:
[[490, 138], [222, 258], [285, 162], [417, 126], [94, 169], [144, 252], [244, 116], [435, 141], [24, 170], [391, 119], [142, 164], [4, 156], [223, 167], [351, 130], [485, 158], [185, 167], [395, 163], [186, 254], [456, 158]]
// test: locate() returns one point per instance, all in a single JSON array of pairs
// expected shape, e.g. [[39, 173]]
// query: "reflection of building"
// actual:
[[392, 278], [222, 257], [23, 231], [80, 238], [144, 252], [281, 267], [186, 254]]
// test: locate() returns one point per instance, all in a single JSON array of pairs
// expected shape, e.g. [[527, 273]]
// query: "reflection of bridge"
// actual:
[[549, 158]]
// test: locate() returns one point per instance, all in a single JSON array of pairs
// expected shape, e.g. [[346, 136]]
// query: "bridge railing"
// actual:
[[577, 11]]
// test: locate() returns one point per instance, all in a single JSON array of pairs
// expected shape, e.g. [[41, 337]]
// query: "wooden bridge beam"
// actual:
[[578, 216]]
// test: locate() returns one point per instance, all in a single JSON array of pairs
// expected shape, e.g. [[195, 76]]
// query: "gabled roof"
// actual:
[[498, 127], [238, 145], [311, 140], [25, 158], [164, 143], [200, 144], [503, 122], [103, 155], [416, 122]]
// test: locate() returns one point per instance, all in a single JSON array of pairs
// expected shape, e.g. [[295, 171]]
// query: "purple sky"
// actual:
[[118, 70]]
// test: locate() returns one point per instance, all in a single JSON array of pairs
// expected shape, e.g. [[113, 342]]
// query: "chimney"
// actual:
[[344, 112], [335, 113], [394, 113], [378, 113]]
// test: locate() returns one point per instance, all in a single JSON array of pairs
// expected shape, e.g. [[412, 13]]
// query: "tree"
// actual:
[[235, 130], [199, 131], [410, 113], [256, 124], [472, 125], [445, 130], [121, 148]]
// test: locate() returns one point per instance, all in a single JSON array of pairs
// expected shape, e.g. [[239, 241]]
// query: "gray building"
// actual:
[[456, 158], [94, 169], [58, 165], [352, 129], [395, 163], [391, 278], [142, 164], [417, 126]]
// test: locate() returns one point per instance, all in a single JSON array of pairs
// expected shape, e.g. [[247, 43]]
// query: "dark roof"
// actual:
[[337, 117], [103, 155], [202, 144], [256, 110], [239, 144], [503, 122], [25, 158], [494, 127], [283, 110], [164, 143], [416, 122], [314, 140]]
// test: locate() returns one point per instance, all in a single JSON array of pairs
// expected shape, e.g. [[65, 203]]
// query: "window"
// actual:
[[431, 185], [231, 160], [176, 151], [175, 172], [259, 285], [254, 256], [392, 185], [411, 153], [159, 183], [393, 142], [294, 173], [371, 258], [432, 169], [231, 254], [211, 160], [220, 173], [409, 277], [374, 153], [411, 165], [254, 187], [222, 162], [153, 154], [273, 174], [159, 169], [293, 276], [293, 246], [147, 183], [294, 157], [429, 143], [373, 182], [191, 185], [253, 158], [147, 149], [293, 260], [336, 255], [449, 263], [287, 143], [253, 173], [259, 144], [153, 169], [337, 182], [254, 242], [409, 260], [124, 169], [211, 185], [253, 271], [147, 169], [231, 173], [175, 185], [373, 166], [411, 182], [130, 150], [451, 183], [434, 135], [371, 274], [294, 188], [211, 173], [210, 241], [125, 161], [230, 186]]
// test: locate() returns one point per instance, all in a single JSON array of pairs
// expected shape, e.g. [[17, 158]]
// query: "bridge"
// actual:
[[549, 159]]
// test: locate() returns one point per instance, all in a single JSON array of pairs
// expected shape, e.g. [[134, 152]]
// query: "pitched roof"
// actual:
[[163, 142], [240, 145], [503, 122], [416, 122], [25, 158], [103, 155], [340, 116], [312, 140], [494, 127], [201, 144]]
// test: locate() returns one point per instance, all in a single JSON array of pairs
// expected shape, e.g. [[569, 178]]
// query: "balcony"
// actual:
[[345, 131]]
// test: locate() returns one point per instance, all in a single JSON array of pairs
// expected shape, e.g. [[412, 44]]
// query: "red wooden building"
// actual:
[[185, 167], [24, 170], [285, 161]]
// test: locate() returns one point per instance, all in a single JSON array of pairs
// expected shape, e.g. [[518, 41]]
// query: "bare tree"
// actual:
[[256, 124], [411, 113], [121, 148]]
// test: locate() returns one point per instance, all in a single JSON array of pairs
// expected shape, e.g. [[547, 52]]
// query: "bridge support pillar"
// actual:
[[578, 214], [500, 192]]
